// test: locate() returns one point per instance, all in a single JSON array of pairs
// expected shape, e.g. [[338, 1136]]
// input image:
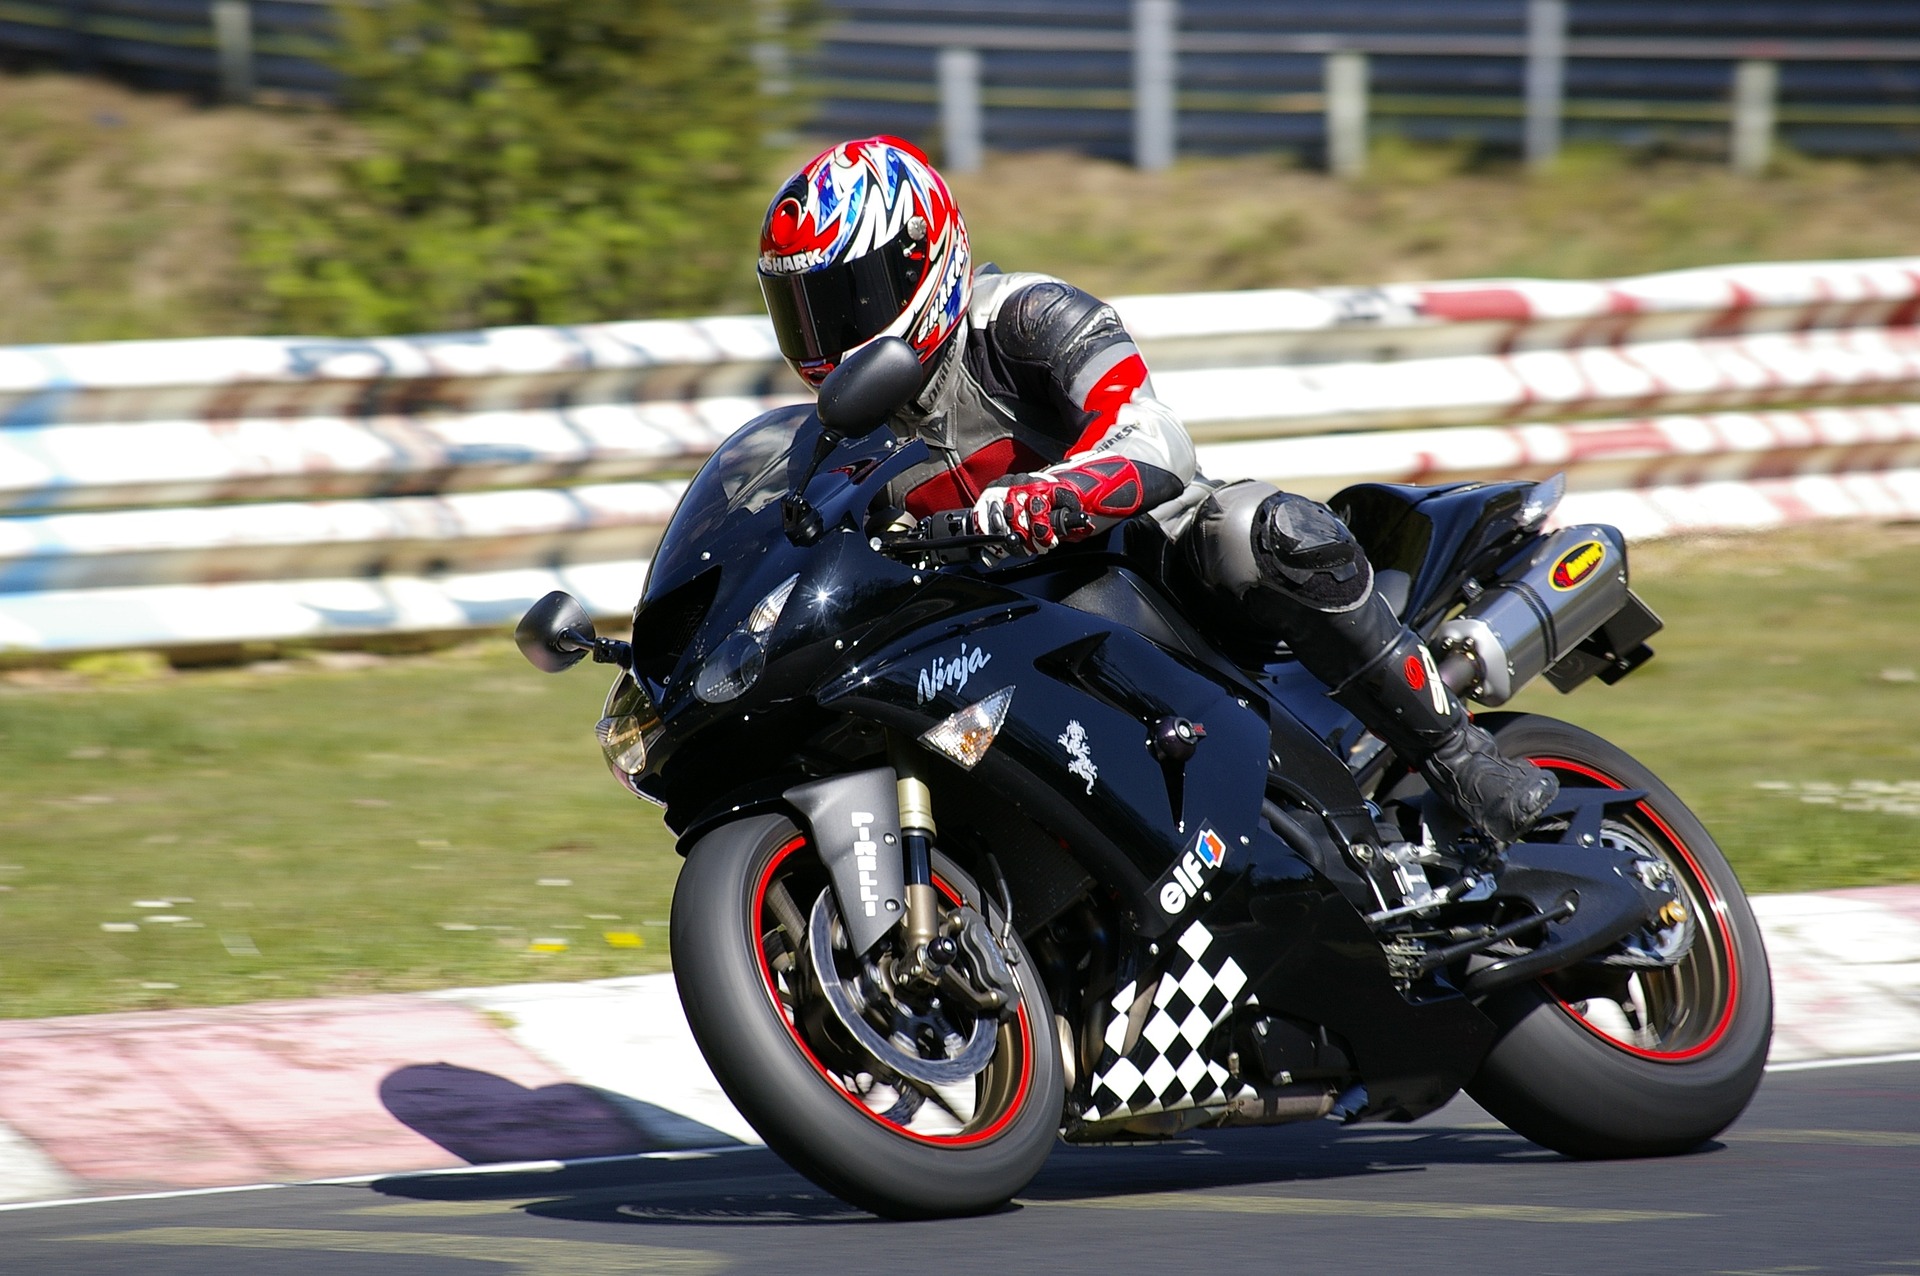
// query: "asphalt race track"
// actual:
[[1822, 1175]]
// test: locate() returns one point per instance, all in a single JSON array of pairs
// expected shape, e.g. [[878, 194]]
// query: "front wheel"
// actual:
[[751, 895], [1614, 1060]]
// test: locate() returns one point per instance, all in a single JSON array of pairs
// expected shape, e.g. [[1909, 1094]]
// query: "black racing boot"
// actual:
[[1381, 671], [1502, 795]]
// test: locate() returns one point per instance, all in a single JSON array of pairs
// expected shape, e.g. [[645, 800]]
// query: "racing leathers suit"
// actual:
[[1041, 403]]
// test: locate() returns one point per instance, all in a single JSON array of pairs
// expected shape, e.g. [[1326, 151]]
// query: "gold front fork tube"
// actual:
[[917, 833]]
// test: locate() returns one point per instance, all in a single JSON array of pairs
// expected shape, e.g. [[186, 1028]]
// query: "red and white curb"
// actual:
[[1846, 972], [297, 1091]]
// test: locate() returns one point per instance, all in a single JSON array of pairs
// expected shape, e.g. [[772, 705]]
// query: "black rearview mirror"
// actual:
[[875, 382], [555, 634]]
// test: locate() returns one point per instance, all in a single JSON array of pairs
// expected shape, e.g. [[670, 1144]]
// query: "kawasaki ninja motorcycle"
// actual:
[[985, 849]]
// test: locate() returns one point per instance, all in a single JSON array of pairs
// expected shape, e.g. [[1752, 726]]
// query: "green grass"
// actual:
[[1783, 704], [321, 827]]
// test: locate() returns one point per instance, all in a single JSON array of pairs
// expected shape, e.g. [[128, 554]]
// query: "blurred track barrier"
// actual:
[[213, 492]]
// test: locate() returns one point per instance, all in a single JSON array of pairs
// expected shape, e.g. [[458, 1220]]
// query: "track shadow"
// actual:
[[741, 1185], [753, 1187], [483, 1118]]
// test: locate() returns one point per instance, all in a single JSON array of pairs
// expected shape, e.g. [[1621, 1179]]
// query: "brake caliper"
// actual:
[[979, 972]]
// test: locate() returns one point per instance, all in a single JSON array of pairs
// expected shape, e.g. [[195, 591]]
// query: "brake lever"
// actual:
[[971, 540], [919, 541]]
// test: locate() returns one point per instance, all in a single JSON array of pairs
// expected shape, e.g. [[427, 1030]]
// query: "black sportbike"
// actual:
[[985, 849]]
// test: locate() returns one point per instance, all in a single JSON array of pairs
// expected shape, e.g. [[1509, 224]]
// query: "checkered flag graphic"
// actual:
[[1166, 1069]]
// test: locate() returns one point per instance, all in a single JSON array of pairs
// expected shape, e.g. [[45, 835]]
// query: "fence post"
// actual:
[[1153, 83], [962, 128], [233, 39], [1346, 85], [1756, 87], [79, 52], [1546, 78], [770, 54]]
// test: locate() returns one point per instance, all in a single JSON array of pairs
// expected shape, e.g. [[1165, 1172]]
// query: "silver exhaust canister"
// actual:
[[1540, 609]]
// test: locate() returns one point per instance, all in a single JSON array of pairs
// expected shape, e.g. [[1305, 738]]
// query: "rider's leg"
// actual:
[[1295, 570]]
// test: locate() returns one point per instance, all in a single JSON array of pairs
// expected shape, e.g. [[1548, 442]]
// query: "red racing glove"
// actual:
[[1060, 503]]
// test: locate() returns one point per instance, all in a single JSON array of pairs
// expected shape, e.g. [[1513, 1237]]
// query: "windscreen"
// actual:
[[745, 476]]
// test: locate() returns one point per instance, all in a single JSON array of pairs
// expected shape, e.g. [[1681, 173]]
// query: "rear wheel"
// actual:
[[1611, 1059], [751, 899]]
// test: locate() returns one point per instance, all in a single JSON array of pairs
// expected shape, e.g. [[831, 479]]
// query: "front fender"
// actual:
[[759, 798], [853, 822]]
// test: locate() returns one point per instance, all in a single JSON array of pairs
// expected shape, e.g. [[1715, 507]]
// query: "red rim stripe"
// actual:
[[941, 1140], [1719, 910]]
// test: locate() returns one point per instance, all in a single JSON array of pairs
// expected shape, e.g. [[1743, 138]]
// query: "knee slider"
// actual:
[[1306, 553]]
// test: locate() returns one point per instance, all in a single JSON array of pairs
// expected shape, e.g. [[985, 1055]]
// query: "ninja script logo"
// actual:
[[954, 672]]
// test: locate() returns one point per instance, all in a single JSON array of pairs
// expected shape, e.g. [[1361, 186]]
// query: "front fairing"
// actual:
[[734, 500], [726, 548]]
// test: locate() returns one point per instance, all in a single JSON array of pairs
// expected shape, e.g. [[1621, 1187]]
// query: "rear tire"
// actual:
[[792, 1075], [1609, 1062]]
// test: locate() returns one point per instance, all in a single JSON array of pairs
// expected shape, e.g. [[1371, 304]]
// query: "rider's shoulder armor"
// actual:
[[1040, 321]]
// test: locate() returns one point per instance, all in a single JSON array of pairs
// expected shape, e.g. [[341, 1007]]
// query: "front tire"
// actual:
[[889, 1149], [1600, 1061]]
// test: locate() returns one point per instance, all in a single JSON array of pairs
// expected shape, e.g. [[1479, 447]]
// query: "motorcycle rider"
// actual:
[[1037, 403]]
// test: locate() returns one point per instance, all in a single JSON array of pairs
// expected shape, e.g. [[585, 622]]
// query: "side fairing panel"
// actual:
[[1221, 908], [1086, 699], [1275, 934]]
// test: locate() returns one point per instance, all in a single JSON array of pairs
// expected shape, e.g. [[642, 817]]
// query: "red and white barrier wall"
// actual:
[[187, 493]]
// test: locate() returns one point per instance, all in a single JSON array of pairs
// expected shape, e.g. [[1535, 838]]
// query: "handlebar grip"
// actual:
[[1069, 519]]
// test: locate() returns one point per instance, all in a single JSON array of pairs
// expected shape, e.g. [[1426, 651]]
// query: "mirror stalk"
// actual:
[[798, 519], [605, 651]]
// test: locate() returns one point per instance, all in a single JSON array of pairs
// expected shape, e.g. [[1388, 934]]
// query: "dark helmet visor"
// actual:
[[822, 314]]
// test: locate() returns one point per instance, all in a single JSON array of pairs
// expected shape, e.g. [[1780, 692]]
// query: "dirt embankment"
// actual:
[[120, 214]]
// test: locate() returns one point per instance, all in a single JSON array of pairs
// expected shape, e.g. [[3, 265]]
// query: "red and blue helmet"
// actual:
[[865, 241]]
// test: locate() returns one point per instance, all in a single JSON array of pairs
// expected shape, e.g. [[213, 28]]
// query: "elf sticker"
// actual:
[[1183, 881], [1578, 563]]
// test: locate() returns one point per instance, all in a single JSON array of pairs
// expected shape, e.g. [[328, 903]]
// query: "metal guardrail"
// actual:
[[1544, 42], [211, 492], [1183, 72], [232, 47], [1074, 39], [1434, 70]]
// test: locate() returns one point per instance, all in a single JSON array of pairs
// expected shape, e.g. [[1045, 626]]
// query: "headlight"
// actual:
[[734, 666], [627, 724], [738, 661]]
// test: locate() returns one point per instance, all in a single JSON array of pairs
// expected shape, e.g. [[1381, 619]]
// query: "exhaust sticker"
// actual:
[[1184, 880], [1578, 563]]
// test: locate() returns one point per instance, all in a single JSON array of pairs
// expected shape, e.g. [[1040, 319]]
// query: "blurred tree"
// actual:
[[530, 161]]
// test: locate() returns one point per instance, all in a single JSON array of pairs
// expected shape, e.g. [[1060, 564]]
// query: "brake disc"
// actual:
[[964, 1059], [1659, 945]]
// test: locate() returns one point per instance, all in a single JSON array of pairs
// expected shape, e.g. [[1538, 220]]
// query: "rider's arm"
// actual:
[[1130, 452]]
